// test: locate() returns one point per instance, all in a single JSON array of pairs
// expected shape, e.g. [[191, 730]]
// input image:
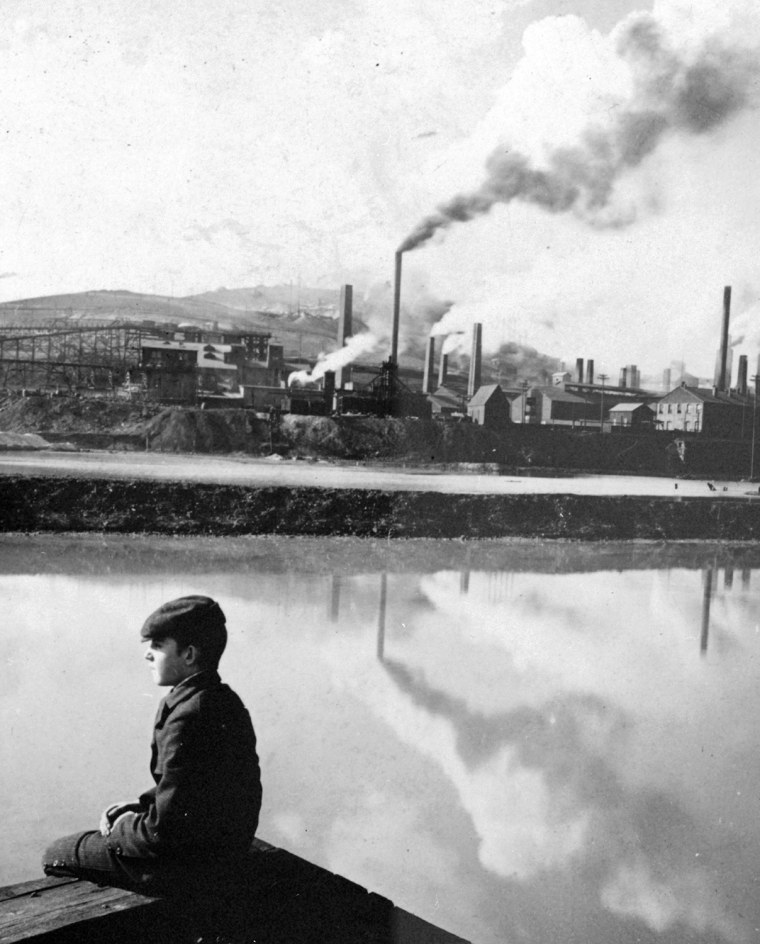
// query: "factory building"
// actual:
[[447, 402], [188, 370], [199, 370], [553, 406], [720, 414], [489, 407], [631, 416]]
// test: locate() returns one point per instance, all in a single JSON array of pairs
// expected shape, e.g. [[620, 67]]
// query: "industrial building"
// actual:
[[166, 362], [489, 407], [632, 416], [725, 415]]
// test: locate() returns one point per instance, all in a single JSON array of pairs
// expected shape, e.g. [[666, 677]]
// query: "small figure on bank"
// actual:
[[194, 827]]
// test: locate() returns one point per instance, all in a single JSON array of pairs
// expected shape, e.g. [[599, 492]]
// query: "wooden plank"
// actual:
[[280, 899], [32, 887], [39, 912]]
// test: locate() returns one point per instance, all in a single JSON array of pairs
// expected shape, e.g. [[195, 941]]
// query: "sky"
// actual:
[[577, 175]]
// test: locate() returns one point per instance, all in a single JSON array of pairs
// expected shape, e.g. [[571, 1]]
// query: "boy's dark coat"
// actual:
[[207, 795]]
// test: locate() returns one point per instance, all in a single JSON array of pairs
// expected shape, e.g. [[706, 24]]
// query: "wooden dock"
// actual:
[[283, 900]]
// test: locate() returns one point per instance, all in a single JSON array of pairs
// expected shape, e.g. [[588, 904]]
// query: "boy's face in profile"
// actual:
[[169, 665]]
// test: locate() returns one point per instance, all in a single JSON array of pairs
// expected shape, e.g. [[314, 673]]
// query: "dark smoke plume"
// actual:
[[513, 362], [670, 94]]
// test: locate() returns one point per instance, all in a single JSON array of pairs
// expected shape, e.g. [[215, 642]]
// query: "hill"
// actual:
[[278, 299], [303, 320]]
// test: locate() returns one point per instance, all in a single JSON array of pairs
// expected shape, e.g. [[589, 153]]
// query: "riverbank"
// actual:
[[61, 503]]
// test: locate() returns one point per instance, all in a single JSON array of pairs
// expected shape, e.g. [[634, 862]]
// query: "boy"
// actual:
[[193, 828]]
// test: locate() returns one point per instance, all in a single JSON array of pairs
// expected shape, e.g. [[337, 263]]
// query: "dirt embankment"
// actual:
[[35, 503]]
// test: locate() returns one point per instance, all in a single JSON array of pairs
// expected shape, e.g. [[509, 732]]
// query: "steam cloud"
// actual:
[[690, 91], [364, 343]]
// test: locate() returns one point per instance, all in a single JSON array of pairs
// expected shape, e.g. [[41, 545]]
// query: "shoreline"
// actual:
[[80, 503]]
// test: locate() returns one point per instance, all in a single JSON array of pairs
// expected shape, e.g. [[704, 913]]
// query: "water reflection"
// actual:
[[517, 742], [707, 582]]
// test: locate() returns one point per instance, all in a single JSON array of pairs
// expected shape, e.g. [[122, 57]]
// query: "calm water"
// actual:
[[517, 741]]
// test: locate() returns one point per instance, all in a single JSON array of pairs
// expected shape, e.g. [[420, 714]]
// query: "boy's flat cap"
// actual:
[[191, 613]]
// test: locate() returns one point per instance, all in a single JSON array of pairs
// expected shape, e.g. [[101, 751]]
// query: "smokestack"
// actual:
[[722, 378], [741, 380], [666, 375], [579, 370], [345, 329], [328, 390], [443, 370], [396, 309], [633, 376], [473, 382], [589, 371], [427, 378], [623, 378]]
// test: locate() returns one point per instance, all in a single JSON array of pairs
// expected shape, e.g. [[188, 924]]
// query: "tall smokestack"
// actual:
[[473, 382], [443, 370], [722, 378], [345, 329], [427, 378], [579, 370], [328, 390], [741, 380], [623, 378], [666, 381], [396, 308], [589, 371]]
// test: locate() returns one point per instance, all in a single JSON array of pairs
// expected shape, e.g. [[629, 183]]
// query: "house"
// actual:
[[631, 416], [489, 407], [724, 415]]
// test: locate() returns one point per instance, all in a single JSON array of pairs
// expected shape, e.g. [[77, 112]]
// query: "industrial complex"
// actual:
[[183, 364]]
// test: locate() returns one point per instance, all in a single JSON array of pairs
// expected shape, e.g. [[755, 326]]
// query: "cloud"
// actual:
[[214, 231], [635, 892], [561, 765]]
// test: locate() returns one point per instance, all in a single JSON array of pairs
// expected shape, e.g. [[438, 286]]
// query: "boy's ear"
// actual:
[[190, 655]]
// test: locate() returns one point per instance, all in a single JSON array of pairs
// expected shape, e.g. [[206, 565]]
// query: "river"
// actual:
[[516, 740]]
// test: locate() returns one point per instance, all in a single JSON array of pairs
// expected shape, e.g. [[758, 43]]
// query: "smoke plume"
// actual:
[[356, 346], [671, 87]]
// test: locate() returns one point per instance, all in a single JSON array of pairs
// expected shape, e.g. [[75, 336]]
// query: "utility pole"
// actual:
[[755, 380], [603, 378]]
